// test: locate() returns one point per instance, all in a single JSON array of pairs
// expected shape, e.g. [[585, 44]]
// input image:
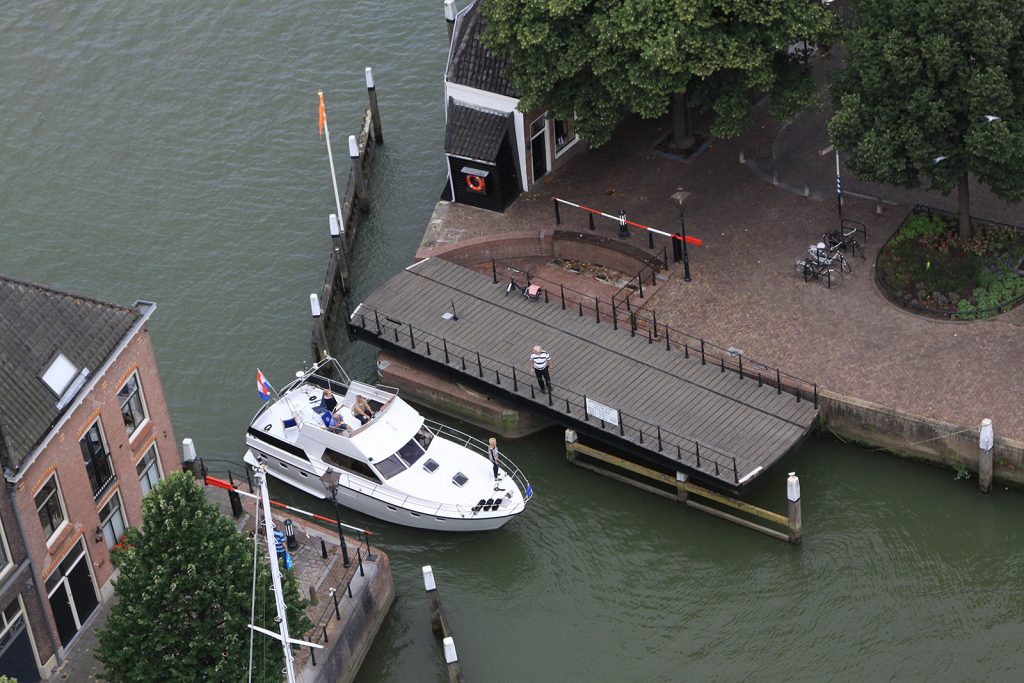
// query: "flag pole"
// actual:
[[330, 157], [839, 187]]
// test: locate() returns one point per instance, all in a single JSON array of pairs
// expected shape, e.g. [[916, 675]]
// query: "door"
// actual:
[[539, 147], [72, 593], [17, 657]]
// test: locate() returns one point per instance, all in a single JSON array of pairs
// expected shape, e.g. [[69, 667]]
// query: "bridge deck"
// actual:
[[723, 426]]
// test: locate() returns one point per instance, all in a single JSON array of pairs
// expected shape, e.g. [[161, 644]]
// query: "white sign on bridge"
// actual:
[[602, 412]]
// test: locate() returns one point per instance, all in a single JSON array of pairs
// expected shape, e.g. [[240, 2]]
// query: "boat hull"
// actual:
[[372, 507]]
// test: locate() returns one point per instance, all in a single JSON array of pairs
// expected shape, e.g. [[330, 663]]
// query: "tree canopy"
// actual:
[[184, 597], [597, 60], [934, 90]]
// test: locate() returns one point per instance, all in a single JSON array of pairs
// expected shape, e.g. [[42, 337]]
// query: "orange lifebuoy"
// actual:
[[475, 183]]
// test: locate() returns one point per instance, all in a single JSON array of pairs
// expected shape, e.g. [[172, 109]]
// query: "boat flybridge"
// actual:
[[398, 466]]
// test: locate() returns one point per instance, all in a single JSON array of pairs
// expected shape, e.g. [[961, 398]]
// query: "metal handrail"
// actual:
[[473, 443], [641, 428]]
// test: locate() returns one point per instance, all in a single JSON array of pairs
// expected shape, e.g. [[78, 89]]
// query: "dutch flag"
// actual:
[[262, 385]]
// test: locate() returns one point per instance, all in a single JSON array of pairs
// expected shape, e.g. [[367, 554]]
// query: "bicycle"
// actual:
[[820, 264], [844, 238], [530, 290]]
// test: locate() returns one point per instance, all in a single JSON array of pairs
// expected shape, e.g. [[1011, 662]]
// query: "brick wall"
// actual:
[[63, 456]]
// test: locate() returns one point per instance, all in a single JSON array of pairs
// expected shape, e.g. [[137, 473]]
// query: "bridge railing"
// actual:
[[687, 450], [620, 311]]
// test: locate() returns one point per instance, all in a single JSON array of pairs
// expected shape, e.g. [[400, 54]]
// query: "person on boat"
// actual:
[[335, 424], [361, 409], [492, 453], [328, 402]]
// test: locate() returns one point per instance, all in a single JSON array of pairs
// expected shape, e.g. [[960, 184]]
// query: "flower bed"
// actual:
[[927, 266]]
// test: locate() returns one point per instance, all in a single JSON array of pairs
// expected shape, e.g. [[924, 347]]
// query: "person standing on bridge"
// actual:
[[541, 360]]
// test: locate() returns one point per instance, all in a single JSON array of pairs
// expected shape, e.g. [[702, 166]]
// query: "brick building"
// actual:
[[84, 434]]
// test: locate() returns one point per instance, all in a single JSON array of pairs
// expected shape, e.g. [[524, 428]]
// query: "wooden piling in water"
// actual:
[[371, 91], [439, 624], [985, 442]]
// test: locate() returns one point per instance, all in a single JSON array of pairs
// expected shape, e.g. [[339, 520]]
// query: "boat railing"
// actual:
[[475, 444], [427, 507]]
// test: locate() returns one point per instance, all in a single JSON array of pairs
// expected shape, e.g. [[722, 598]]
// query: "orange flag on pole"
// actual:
[[323, 116]]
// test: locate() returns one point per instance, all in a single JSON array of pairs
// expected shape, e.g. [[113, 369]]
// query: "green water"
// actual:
[[168, 151]]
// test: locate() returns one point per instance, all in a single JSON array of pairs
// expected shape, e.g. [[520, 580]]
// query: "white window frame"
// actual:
[[142, 404], [6, 549], [63, 508], [110, 520], [567, 146], [156, 465]]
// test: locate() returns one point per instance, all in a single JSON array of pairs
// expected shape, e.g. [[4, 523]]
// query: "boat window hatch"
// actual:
[[410, 452], [390, 466], [460, 479], [430, 465]]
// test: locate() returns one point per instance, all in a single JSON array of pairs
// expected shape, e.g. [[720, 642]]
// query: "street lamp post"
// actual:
[[682, 234], [331, 480]]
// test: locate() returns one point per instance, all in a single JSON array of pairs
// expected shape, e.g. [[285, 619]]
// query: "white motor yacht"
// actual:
[[398, 466]]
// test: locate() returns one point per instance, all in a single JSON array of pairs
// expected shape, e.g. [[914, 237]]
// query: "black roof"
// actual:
[[474, 133], [472, 64], [37, 323]]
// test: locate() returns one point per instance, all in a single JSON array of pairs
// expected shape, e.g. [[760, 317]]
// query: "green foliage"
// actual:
[[927, 253], [184, 597], [919, 81], [596, 60], [961, 470], [5, 679]]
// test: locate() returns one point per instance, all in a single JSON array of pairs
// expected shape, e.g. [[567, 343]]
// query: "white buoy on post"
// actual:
[[793, 498], [451, 658], [986, 441], [433, 599], [319, 331], [450, 11], [188, 455], [371, 92], [357, 168], [335, 226]]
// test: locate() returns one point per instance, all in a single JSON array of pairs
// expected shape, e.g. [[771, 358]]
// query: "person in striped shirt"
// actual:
[[541, 360]]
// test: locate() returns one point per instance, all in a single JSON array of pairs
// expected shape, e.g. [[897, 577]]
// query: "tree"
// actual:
[[597, 60], [184, 597], [934, 89]]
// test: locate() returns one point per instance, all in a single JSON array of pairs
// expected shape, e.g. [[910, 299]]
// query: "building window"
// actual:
[[565, 133], [132, 408], [5, 553], [50, 507], [112, 521], [97, 460], [149, 470]]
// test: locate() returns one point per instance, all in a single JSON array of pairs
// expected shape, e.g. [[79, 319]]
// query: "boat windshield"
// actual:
[[410, 452]]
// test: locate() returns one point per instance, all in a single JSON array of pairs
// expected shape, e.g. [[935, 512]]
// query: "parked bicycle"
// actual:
[[823, 264], [845, 238], [529, 290]]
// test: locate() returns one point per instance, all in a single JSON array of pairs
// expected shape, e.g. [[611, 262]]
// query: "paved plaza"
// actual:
[[745, 292]]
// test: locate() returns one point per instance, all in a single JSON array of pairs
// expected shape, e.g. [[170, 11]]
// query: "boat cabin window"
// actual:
[[344, 462], [430, 465], [390, 466], [410, 452]]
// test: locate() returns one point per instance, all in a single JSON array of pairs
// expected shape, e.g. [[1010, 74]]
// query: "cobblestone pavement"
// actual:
[[745, 291]]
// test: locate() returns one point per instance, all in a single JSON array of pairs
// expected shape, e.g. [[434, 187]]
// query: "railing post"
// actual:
[[580, 302], [590, 216], [396, 334], [632, 324], [497, 377], [494, 272], [650, 339], [741, 366], [597, 309], [515, 382], [558, 214], [567, 411], [359, 555], [412, 341], [463, 359], [778, 382], [377, 319], [664, 256], [447, 360], [723, 363], [703, 361], [479, 364], [659, 438], [640, 282], [551, 401], [815, 395], [650, 240], [337, 612], [586, 415], [759, 379], [428, 347], [654, 319], [668, 347], [561, 290], [622, 428], [697, 444], [735, 472], [615, 316]]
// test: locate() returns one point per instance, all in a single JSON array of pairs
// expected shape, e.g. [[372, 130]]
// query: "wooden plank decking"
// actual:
[[718, 425]]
